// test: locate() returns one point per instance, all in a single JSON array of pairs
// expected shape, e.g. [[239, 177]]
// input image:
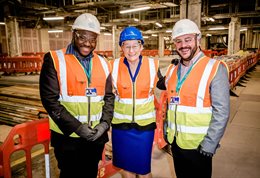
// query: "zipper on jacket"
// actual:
[[133, 115], [89, 122], [175, 120]]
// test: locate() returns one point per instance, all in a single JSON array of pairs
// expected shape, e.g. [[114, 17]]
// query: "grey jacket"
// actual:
[[219, 91]]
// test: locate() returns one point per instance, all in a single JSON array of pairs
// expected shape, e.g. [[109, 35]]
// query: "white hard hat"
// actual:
[[87, 22], [183, 27]]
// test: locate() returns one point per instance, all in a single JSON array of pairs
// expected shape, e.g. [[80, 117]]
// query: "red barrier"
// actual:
[[107, 54], [24, 137], [239, 68], [167, 52], [106, 168], [160, 116], [21, 64], [33, 133]]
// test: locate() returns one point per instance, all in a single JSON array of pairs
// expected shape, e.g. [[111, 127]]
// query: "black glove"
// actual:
[[165, 125], [204, 153], [85, 131], [99, 130]]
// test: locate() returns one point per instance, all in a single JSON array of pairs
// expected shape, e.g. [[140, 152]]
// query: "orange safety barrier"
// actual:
[[23, 137], [223, 52], [161, 107], [238, 70], [41, 54], [108, 54], [21, 64], [167, 52], [210, 53], [26, 135], [106, 168]]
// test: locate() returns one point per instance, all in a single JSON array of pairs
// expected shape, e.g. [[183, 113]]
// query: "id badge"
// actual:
[[91, 92], [175, 100]]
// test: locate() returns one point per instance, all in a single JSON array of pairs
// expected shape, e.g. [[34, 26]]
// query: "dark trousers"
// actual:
[[190, 163], [76, 157]]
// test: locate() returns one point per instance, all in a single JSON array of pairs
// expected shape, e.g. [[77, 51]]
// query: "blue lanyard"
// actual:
[[180, 82], [87, 69], [133, 77]]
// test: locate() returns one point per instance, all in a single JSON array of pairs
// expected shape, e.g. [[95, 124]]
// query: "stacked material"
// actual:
[[235, 60], [19, 103]]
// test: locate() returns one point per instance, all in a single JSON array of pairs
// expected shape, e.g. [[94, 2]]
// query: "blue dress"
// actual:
[[132, 150]]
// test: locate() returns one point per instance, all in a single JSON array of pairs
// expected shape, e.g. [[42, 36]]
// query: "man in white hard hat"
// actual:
[[76, 91], [198, 104]]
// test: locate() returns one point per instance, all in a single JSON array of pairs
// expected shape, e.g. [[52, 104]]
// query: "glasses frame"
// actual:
[[129, 47], [84, 39], [187, 40]]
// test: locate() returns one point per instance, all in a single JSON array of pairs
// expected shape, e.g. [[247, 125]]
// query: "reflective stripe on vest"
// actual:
[[192, 116], [76, 103], [144, 113]]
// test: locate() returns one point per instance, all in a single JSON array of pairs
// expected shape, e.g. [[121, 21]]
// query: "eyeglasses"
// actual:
[[187, 40], [85, 38], [135, 47]]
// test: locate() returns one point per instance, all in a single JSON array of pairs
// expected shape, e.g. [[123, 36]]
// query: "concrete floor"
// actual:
[[239, 154]]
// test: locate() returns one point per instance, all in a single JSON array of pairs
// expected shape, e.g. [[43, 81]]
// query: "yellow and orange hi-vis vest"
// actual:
[[189, 120], [134, 101], [73, 84]]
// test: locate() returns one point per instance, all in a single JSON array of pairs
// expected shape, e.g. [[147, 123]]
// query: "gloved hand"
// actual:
[[165, 125], [99, 130], [85, 131], [204, 153]]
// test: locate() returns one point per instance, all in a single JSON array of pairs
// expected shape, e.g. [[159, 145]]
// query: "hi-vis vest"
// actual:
[[189, 120], [73, 84], [134, 101]]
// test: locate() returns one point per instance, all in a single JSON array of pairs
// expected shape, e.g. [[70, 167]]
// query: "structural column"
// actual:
[[256, 40], [161, 45], [191, 9], [13, 37], [233, 35], [44, 40], [116, 48], [248, 38]]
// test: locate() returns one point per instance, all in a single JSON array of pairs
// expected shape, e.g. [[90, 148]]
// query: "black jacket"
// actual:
[[50, 92]]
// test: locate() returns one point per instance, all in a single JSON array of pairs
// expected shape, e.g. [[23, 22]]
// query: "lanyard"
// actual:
[[88, 72], [180, 82], [133, 77]]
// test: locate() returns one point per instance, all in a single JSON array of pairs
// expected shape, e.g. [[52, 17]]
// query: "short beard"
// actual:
[[193, 51]]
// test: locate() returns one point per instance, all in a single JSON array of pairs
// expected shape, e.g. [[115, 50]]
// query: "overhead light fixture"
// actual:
[[243, 29], [158, 24], [208, 34], [169, 4], [145, 37], [135, 9], [136, 20], [168, 31], [53, 18], [211, 19], [55, 31], [107, 34], [154, 35], [2, 23], [217, 28], [102, 28]]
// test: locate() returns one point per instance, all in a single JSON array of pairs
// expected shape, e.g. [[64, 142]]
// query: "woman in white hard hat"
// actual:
[[198, 104], [134, 80], [76, 91]]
